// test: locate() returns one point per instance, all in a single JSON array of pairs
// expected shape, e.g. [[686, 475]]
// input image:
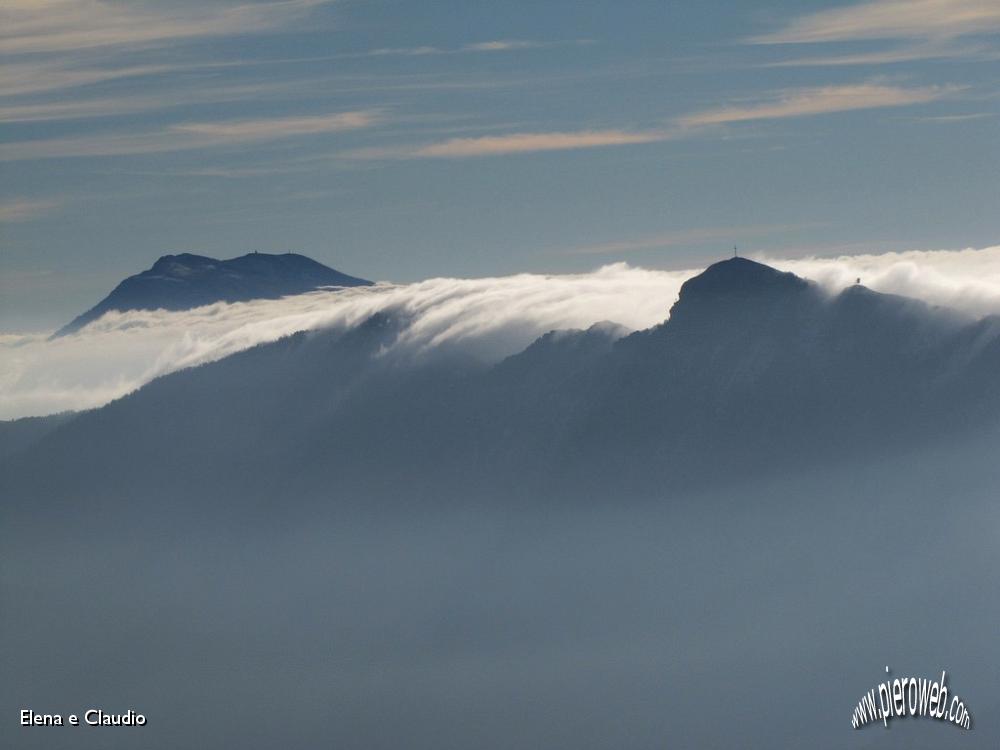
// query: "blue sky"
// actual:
[[402, 140]]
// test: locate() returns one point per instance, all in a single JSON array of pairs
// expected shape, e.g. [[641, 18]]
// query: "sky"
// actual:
[[401, 141]]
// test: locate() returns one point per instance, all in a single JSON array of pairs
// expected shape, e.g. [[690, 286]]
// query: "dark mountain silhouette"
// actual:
[[180, 282]]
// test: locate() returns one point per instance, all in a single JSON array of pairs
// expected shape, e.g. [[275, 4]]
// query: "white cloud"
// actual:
[[892, 19], [966, 280], [490, 317]]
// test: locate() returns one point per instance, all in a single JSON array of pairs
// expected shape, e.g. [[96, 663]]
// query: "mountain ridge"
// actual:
[[187, 280], [764, 368]]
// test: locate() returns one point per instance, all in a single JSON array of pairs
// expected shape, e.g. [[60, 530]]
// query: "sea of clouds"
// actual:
[[488, 317]]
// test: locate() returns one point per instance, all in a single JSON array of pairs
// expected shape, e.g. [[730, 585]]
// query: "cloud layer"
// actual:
[[489, 318]]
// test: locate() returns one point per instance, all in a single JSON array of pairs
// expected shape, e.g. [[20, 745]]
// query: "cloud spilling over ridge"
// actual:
[[966, 280], [489, 318]]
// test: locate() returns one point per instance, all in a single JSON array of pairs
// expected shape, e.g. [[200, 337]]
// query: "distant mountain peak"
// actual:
[[738, 286], [741, 277], [186, 280]]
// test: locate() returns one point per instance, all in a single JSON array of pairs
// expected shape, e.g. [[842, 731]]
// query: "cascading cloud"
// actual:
[[489, 318]]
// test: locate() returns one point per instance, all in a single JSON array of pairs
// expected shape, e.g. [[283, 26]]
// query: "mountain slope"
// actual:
[[180, 282], [18, 434]]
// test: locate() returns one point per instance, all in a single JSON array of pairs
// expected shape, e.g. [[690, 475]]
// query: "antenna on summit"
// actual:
[[735, 254]]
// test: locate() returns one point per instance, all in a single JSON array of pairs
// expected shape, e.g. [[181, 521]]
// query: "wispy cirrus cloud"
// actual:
[[188, 135], [60, 90], [38, 77], [58, 53], [896, 55], [800, 102], [496, 45], [95, 107], [278, 127], [33, 26], [891, 19], [817, 101], [930, 28], [965, 117], [26, 209], [512, 143], [147, 96]]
